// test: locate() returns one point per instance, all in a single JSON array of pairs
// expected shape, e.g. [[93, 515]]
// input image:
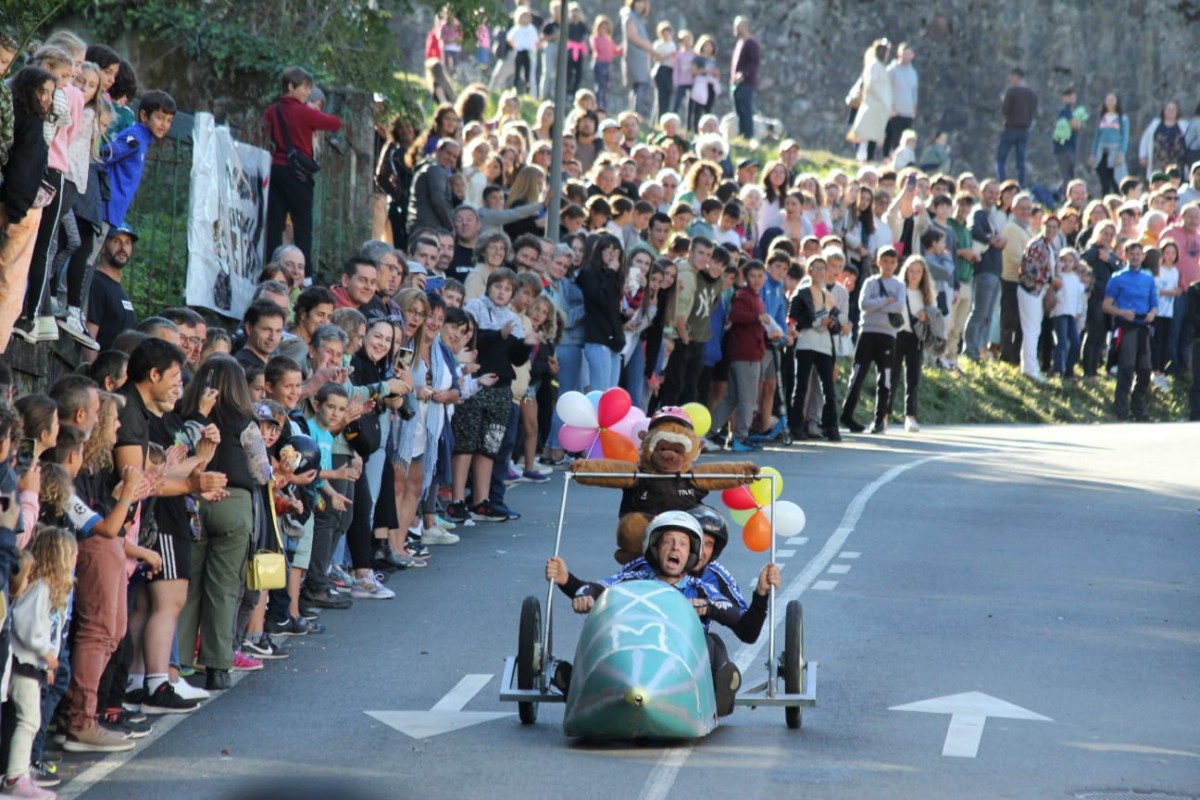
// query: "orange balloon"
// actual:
[[756, 533], [614, 445]]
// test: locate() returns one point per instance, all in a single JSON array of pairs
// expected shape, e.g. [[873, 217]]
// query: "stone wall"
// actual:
[[1144, 49]]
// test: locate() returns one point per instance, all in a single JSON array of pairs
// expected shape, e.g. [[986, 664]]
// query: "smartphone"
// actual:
[[435, 283], [912, 181], [208, 381], [406, 356], [25, 452]]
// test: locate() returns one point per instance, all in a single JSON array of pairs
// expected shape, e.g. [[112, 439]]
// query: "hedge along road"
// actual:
[[1050, 568]]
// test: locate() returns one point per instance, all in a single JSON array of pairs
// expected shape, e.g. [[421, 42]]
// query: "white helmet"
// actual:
[[673, 521]]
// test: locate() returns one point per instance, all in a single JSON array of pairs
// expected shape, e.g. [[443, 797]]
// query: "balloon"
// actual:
[[575, 409], [613, 406], [757, 533], [627, 424], [701, 419], [741, 517], [789, 518], [576, 440], [595, 451], [738, 498], [614, 445], [639, 428], [761, 488], [594, 397]]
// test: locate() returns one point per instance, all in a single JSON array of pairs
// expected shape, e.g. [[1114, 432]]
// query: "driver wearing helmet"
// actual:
[[673, 544]]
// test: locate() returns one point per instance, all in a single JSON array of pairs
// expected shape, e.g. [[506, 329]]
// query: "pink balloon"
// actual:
[[625, 426], [613, 406], [639, 427], [576, 440]]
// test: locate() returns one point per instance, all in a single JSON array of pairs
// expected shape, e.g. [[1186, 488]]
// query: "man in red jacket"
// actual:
[[745, 347], [291, 124]]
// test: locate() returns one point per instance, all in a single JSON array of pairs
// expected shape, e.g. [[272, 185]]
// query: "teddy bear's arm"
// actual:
[[617, 474], [746, 469]]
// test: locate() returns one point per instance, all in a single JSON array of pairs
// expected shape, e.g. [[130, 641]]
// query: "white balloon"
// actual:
[[574, 408], [789, 518]]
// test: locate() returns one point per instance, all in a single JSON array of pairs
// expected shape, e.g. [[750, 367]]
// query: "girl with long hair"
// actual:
[[909, 351], [409, 438], [1110, 144], [601, 282]]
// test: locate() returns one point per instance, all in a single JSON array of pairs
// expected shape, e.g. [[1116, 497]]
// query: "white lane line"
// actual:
[[662, 777], [824, 586], [848, 554], [838, 569], [797, 541], [784, 553]]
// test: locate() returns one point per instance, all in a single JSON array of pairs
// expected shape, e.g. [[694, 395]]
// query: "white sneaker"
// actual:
[[438, 535], [368, 589], [75, 327], [45, 329], [189, 692], [911, 426]]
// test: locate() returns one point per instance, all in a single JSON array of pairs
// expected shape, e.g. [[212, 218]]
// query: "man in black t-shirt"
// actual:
[[263, 326], [110, 311]]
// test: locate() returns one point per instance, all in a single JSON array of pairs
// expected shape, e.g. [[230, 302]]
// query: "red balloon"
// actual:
[[614, 445], [739, 498], [614, 405], [756, 534]]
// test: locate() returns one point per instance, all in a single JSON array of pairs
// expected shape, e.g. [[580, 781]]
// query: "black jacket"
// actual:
[[25, 168], [602, 321]]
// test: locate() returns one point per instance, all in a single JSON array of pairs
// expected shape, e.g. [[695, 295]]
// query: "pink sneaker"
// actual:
[[245, 663], [25, 787]]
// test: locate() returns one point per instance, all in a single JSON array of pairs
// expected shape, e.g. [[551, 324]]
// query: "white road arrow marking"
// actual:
[[969, 712], [446, 715]]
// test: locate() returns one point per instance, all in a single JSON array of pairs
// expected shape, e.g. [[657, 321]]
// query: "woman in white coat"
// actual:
[[870, 124]]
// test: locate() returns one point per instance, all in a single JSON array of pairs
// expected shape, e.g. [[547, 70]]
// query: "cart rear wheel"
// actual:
[[795, 671], [529, 656], [785, 436]]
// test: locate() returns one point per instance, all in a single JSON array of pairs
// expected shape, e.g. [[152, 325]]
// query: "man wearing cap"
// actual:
[[747, 172], [110, 311], [789, 154], [744, 76], [1132, 300]]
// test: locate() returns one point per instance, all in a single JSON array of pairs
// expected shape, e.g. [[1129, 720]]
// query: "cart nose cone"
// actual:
[[637, 697]]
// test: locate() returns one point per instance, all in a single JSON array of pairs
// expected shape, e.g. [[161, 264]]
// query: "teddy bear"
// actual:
[[669, 446]]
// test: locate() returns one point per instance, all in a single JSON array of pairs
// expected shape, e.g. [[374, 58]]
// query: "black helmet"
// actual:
[[673, 521], [304, 446], [712, 524]]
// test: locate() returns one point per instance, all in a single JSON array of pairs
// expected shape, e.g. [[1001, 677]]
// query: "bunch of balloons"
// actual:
[[608, 425], [747, 506]]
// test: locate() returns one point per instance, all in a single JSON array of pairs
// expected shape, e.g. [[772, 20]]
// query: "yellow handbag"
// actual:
[[267, 570]]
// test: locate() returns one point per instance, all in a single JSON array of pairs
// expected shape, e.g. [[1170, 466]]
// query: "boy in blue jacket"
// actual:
[[126, 155]]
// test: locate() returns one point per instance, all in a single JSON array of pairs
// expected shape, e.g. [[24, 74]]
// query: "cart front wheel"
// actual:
[[795, 672], [529, 656], [785, 436]]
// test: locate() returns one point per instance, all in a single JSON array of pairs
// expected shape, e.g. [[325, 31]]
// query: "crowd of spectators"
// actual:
[[354, 426]]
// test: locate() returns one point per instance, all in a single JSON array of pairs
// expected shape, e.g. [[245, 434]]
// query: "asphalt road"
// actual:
[[1039, 584]]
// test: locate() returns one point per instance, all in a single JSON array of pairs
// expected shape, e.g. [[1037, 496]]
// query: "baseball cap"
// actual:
[[608, 123], [121, 229], [746, 163], [1159, 176], [262, 413]]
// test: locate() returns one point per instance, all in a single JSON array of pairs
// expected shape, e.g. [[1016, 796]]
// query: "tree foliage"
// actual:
[[343, 42]]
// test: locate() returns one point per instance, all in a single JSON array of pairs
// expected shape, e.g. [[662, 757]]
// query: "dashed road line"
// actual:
[[797, 541], [838, 569], [784, 553], [824, 586], [848, 554]]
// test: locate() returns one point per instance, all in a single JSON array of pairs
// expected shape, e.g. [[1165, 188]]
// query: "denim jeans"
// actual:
[[500, 465], [1066, 345], [1008, 141], [987, 289], [681, 95], [743, 104], [604, 365], [633, 376], [570, 358], [602, 72]]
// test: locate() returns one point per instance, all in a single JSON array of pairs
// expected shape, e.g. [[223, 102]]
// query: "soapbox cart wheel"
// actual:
[[530, 658], [793, 666]]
